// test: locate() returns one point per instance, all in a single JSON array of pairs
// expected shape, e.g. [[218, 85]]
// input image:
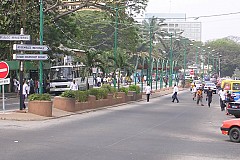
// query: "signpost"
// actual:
[[4, 70], [37, 57], [13, 37], [29, 47]]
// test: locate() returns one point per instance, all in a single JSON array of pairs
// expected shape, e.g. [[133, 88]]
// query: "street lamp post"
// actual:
[[150, 53], [184, 70], [41, 43], [161, 78], [115, 44], [171, 57], [116, 36], [219, 67], [208, 64], [156, 78]]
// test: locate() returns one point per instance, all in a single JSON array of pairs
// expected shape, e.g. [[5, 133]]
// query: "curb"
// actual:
[[85, 111]]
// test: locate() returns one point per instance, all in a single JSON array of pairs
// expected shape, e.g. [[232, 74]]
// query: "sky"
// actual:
[[215, 27]]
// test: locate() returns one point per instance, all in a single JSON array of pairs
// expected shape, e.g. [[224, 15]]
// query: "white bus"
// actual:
[[61, 78]]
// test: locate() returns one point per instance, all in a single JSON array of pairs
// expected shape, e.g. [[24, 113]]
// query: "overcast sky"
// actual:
[[213, 27]]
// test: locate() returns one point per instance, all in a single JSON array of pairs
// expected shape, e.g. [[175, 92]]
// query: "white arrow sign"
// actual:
[[30, 57], [13, 37], [4, 81], [29, 47]]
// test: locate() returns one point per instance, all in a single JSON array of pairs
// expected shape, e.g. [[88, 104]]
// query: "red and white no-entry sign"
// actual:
[[192, 72], [4, 69]]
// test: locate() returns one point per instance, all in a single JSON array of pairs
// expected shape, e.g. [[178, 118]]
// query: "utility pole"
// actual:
[[41, 43], [150, 53], [161, 78], [184, 71], [171, 61]]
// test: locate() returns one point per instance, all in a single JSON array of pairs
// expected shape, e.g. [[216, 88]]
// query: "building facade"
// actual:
[[177, 22]]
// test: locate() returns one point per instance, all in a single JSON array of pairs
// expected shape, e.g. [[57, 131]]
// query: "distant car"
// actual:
[[212, 86], [198, 84], [234, 108], [231, 128]]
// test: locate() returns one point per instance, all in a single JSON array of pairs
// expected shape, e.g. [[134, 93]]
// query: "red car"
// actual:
[[231, 128]]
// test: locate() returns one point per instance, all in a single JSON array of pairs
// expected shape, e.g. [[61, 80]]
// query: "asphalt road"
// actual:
[[158, 130]]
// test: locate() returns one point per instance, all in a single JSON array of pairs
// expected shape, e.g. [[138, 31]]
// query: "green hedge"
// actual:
[[82, 96], [39, 97], [123, 89], [134, 88], [110, 89], [99, 93], [69, 94]]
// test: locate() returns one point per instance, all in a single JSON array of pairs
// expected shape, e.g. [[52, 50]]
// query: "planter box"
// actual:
[[139, 96], [133, 95], [123, 98], [101, 103], [91, 101], [41, 108], [63, 103], [80, 106]]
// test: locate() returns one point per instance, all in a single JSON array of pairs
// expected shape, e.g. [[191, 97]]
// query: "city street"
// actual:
[[156, 130]]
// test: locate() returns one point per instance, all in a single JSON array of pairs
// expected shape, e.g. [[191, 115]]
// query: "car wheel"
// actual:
[[237, 116], [234, 134]]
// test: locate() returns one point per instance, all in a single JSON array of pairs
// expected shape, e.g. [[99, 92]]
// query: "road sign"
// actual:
[[29, 47], [13, 37], [4, 69], [30, 57], [5, 81]]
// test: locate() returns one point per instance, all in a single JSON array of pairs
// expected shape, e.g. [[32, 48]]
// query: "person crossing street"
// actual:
[[209, 96], [175, 92], [148, 91]]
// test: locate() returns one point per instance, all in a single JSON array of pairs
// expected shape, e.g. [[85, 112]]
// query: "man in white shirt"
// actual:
[[74, 86], [99, 81], [148, 91], [174, 96], [194, 92], [24, 93], [222, 96]]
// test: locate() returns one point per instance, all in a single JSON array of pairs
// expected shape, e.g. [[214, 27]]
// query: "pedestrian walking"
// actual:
[[74, 86], [148, 91], [194, 92], [209, 96], [25, 89], [222, 98], [199, 96], [175, 92]]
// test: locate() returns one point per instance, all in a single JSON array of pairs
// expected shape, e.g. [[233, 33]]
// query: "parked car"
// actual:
[[234, 108], [212, 86], [232, 129]]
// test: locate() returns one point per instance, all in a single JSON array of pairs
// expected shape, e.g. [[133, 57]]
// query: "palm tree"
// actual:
[[121, 62]]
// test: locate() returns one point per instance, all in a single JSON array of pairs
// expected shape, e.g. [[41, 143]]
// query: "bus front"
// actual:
[[60, 78]]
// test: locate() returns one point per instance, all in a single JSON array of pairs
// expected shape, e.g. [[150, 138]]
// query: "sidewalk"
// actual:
[[23, 115]]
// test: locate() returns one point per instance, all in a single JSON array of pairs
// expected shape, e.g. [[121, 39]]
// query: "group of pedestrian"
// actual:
[[198, 95], [148, 92]]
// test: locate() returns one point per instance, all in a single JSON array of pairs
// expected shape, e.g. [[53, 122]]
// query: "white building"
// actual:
[[177, 22]]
